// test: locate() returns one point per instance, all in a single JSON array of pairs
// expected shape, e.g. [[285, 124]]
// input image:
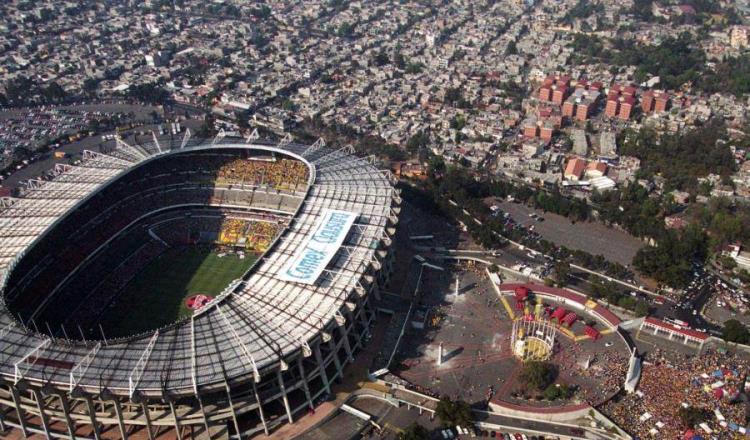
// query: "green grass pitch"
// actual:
[[156, 296]]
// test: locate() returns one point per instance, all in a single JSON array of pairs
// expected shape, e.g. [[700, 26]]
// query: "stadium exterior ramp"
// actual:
[[261, 354]]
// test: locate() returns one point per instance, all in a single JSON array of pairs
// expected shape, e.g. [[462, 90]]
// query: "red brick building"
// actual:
[[654, 101]]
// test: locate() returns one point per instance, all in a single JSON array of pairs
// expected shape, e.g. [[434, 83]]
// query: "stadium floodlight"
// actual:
[[389, 175], [106, 160], [6, 202], [248, 356], [128, 150], [61, 168], [19, 369], [185, 138], [135, 376], [253, 136], [35, 184], [286, 140], [317, 145], [333, 155], [156, 141], [79, 370], [5, 330], [219, 136], [340, 319]]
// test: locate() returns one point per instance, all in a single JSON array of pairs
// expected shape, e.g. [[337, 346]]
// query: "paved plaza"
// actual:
[[478, 366]]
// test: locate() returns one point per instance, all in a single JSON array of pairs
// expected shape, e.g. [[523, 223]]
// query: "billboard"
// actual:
[[309, 261]]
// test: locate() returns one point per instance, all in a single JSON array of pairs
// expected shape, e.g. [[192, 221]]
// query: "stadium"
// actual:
[[213, 289]]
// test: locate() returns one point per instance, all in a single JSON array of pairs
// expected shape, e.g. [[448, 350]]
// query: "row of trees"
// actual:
[[609, 291], [24, 91], [457, 184]]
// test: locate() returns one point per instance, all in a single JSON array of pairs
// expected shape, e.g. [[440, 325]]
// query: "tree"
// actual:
[[453, 413], [263, 12], [415, 431], [511, 49], [412, 68], [207, 129], [346, 30], [691, 416], [562, 273], [149, 92], [538, 375], [381, 59], [436, 167], [735, 331], [417, 141], [54, 92], [641, 308], [556, 391], [494, 268], [726, 262], [90, 86], [399, 60]]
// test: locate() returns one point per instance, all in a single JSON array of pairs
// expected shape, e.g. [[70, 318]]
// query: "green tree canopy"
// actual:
[[414, 431], [538, 375], [453, 413], [735, 331]]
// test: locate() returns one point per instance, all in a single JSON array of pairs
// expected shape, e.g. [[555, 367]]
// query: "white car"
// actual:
[[609, 344]]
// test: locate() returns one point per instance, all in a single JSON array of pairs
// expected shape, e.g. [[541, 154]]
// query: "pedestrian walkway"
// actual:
[[507, 306]]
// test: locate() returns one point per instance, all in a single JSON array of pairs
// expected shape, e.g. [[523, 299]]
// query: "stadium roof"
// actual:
[[253, 327]]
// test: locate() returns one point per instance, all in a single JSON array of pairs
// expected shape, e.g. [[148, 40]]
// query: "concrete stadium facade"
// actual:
[[260, 355]]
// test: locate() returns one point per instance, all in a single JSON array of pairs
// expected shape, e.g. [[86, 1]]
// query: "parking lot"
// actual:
[[36, 168], [592, 237]]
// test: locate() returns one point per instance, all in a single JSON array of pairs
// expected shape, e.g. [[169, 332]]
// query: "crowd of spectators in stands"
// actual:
[[260, 235], [668, 383], [151, 187], [256, 236], [281, 174], [168, 231]]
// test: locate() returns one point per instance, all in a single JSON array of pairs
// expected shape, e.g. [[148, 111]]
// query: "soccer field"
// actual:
[[156, 296]]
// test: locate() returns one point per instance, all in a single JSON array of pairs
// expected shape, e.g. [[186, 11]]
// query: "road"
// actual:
[[694, 300]]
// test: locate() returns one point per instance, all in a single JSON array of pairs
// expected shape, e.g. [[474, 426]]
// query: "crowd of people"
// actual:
[[231, 230], [609, 368], [256, 236], [260, 235], [670, 382], [281, 174]]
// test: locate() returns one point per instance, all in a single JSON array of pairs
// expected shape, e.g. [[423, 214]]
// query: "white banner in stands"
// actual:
[[330, 232]]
